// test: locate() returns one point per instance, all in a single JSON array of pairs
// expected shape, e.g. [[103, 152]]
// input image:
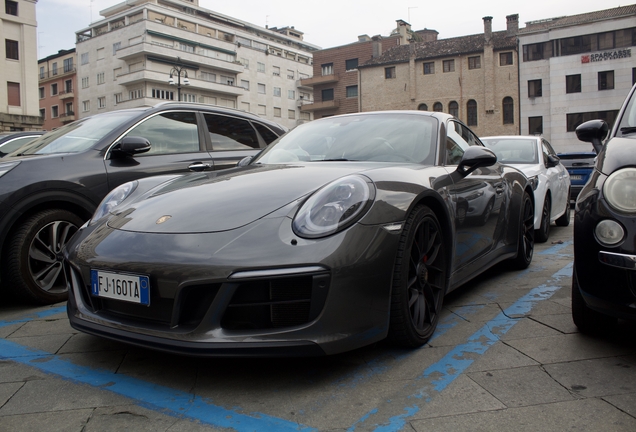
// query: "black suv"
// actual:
[[51, 186]]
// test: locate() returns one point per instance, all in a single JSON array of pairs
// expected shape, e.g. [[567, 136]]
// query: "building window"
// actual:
[[118, 98], [290, 74], [471, 111], [327, 95], [605, 40], [54, 112], [68, 65], [100, 54], [246, 63], [448, 65], [474, 62], [54, 68], [69, 109], [116, 47], [453, 109], [575, 119], [327, 69], [429, 68], [207, 76], [53, 89], [84, 58], [573, 83], [41, 72], [245, 84], [537, 51], [86, 106], [260, 67], [85, 82], [352, 91], [505, 59], [291, 114], [276, 71], [11, 49], [43, 113], [101, 102], [508, 110], [422, 107], [162, 94], [606, 80], [351, 64], [100, 78], [437, 106], [576, 45], [534, 88], [135, 94], [535, 125], [277, 112], [277, 91], [11, 7], [42, 94], [228, 80], [261, 88], [261, 110], [68, 86], [13, 93], [291, 94], [389, 72]]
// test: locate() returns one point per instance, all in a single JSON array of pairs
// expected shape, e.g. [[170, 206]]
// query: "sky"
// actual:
[[327, 23]]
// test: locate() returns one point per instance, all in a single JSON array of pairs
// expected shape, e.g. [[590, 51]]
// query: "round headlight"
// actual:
[[620, 190], [113, 199], [334, 207], [609, 232]]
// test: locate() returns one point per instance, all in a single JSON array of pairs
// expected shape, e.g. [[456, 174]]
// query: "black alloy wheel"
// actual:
[[564, 219], [32, 264], [419, 279], [543, 232], [588, 321], [525, 246]]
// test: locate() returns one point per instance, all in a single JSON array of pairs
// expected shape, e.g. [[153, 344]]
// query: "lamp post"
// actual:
[[178, 70]]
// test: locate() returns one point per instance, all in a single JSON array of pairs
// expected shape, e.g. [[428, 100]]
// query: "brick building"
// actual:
[[57, 87], [473, 77]]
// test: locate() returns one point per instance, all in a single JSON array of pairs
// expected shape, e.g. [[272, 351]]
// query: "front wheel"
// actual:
[[587, 320], [543, 232], [419, 279], [564, 219], [525, 245], [32, 262]]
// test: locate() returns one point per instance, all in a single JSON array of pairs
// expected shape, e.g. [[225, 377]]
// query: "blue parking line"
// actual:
[[554, 250], [41, 314]]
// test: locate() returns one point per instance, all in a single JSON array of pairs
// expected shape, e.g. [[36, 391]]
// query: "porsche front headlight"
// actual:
[[620, 190], [334, 207], [113, 199]]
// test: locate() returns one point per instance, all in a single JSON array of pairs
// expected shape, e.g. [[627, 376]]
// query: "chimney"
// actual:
[[377, 46], [404, 30], [512, 24], [487, 28]]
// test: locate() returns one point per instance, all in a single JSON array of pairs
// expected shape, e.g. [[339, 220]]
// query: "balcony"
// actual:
[[66, 94], [320, 106], [49, 75], [67, 117], [322, 79], [146, 75]]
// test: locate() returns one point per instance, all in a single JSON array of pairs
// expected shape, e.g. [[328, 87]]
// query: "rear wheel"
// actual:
[[525, 246], [564, 219], [542, 234], [588, 320], [419, 279], [32, 262]]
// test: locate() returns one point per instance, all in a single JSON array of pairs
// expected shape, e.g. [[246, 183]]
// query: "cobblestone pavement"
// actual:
[[506, 356]]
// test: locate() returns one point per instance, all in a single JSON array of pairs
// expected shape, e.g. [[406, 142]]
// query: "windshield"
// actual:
[[628, 120], [361, 137], [513, 150], [77, 136]]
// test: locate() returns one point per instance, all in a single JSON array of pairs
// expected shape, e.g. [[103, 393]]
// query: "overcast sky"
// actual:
[[326, 23]]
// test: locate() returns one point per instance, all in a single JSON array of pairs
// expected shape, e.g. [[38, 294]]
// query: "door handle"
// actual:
[[199, 166]]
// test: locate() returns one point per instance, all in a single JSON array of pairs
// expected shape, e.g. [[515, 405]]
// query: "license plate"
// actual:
[[576, 177], [118, 286]]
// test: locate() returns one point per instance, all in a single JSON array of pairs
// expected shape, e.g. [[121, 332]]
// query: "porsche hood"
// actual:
[[202, 203]]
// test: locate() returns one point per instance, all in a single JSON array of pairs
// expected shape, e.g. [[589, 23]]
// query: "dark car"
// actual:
[[342, 232], [580, 166], [11, 141], [51, 186], [604, 276]]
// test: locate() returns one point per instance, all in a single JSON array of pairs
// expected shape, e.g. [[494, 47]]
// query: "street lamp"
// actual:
[[177, 70]]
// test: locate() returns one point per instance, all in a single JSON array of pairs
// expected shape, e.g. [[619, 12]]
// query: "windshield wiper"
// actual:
[[336, 160], [628, 130]]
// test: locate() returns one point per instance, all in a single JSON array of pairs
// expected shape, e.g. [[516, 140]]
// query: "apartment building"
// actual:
[[19, 108], [473, 77], [57, 85], [573, 69], [131, 57]]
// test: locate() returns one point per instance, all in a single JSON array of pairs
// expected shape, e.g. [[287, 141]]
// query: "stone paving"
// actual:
[[506, 356]]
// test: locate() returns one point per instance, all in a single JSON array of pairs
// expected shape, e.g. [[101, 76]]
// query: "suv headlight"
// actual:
[[334, 207], [620, 190], [7, 166], [113, 199]]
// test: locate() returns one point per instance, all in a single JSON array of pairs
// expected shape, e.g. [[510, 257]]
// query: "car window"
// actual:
[[513, 150], [546, 152], [169, 132], [628, 120], [458, 139], [229, 133], [16, 143], [265, 132]]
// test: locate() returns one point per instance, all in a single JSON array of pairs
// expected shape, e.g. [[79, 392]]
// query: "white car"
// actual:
[[536, 158]]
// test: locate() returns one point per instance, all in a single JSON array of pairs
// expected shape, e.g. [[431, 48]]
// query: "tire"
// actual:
[[32, 262], [419, 280], [541, 235], [588, 320], [525, 245], [564, 219]]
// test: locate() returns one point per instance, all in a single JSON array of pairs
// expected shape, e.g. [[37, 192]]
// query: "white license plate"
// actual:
[[576, 177], [118, 286]]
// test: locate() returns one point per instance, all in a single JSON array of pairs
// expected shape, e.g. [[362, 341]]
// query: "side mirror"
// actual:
[[245, 161], [553, 161], [593, 131], [476, 157], [133, 145]]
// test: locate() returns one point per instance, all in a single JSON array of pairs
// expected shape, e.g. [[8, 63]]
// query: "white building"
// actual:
[[19, 103], [573, 69], [126, 60]]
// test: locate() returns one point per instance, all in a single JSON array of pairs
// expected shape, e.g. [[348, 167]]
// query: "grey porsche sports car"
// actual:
[[343, 232]]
